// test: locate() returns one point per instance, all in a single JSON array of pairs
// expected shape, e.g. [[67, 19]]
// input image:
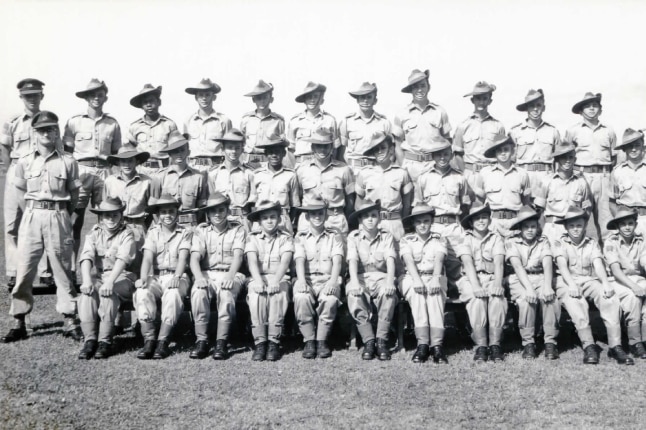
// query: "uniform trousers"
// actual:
[[315, 311], [373, 298], [550, 311], [267, 311], [453, 234], [94, 307], [599, 184], [427, 310], [226, 303], [172, 304], [634, 309]]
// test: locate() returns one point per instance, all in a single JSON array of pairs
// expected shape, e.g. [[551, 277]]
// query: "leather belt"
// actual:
[[389, 215], [593, 169], [483, 272], [163, 272], [206, 160], [155, 163], [418, 157], [552, 219], [361, 162], [536, 167], [336, 211], [255, 158], [304, 157], [445, 219], [94, 162], [641, 210], [237, 212], [186, 218], [475, 167], [46, 204], [503, 214], [425, 272], [534, 271], [219, 269], [135, 220]]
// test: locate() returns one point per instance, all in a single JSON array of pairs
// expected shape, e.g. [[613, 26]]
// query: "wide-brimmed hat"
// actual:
[[44, 118], [128, 151], [176, 140], [587, 98], [321, 136], [622, 214], [365, 88], [498, 141], [216, 199], [91, 87], [263, 206], [532, 95], [163, 200], [629, 137], [30, 86], [419, 209], [414, 77], [310, 88], [476, 209], [271, 138], [109, 204], [315, 204], [374, 140], [437, 144], [481, 87], [564, 148], [525, 213], [573, 212], [146, 90], [261, 87], [204, 85], [233, 135], [363, 207]]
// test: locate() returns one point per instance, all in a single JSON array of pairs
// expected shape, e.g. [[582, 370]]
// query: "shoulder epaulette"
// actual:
[[351, 115], [520, 124], [354, 233], [250, 113], [276, 115], [298, 115]]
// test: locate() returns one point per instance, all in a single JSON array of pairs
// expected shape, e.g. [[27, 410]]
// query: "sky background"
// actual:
[[564, 47]]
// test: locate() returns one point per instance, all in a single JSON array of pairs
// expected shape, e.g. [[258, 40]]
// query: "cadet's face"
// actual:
[[127, 166], [269, 221], [96, 99], [314, 100], [218, 214], [262, 101], [635, 150], [321, 152], [370, 220], [111, 220], [566, 161], [316, 218], [504, 152], [591, 110], [481, 221], [275, 155], [150, 104], [535, 109], [529, 229], [367, 101], [167, 215], [481, 102], [442, 158], [47, 136], [381, 152], [420, 90], [575, 227], [205, 99], [627, 227], [178, 156], [422, 224], [232, 150], [32, 101]]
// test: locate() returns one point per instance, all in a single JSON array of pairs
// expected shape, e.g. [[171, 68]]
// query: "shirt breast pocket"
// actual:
[[303, 132], [280, 194], [142, 137], [410, 127], [189, 198], [309, 185], [33, 179], [83, 137], [379, 257], [492, 189], [20, 139]]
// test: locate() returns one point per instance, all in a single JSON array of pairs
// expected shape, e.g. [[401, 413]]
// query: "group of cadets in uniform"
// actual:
[[366, 212]]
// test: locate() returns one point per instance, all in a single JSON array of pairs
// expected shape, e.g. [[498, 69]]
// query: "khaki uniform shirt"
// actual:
[[302, 126], [190, 186], [630, 257], [595, 147], [503, 189], [47, 178], [332, 183], [18, 136], [534, 145], [423, 252], [355, 131], [216, 248], [237, 183], [421, 124], [579, 257], [202, 133], [318, 251], [281, 186], [482, 251], [628, 185], [531, 256], [388, 185], [134, 193], [474, 136], [152, 137], [371, 254], [92, 138], [445, 192], [269, 249], [166, 249], [103, 248], [557, 194], [253, 125]]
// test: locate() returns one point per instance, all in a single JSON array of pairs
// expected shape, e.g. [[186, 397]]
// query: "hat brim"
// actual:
[[84, 93], [467, 218], [477, 93], [560, 154], [301, 97], [45, 124], [578, 107], [258, 93], [136, 100], [516, 225], [311, 208], [214, 205], [628, 142], [140, 157], [156, 206], [100, 211], [357, 94], [408, 221], [193, 90], [491, 151], [354, 216], [282, 143], [523, 106], [585, 216], [612, 224], [409, 88], [174, 147], [34, 91], [255, 215]]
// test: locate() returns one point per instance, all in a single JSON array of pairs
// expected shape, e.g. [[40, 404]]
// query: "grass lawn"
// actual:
[[44, 385]]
